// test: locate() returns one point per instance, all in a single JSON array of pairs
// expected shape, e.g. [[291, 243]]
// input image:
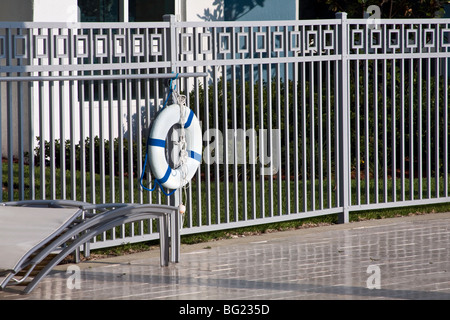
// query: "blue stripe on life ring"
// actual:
[[166, 175], [196, 156], [157, 142], [189, 120]]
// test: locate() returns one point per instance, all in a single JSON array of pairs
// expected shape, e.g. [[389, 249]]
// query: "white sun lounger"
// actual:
[[31, 231]]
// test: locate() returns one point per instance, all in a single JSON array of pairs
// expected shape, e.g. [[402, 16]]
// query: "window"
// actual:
[[99, 10], [150, 10], [112, 10]]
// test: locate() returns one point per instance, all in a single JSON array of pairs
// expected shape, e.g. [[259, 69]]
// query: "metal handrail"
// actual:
[[105, 77]]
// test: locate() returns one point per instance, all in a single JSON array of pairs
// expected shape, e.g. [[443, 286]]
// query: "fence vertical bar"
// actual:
[[366, 132], [218, 151], [436, 127], [304, 147], [226, 190], [52, 116], [295, 107], [375, 132], [1, 143], [344, 129], [320, 128], [139, 137], [9, 118], [102, 157], [92, 158], [234, 130], [428, 128], [445, 132], [31, 164], [287, 142], [268, 141], [208, 171], [312, 136], [128, 97], [10, 143], [277, 142], [402, 130], [42, 124], [120, 148], [244, 144], [357, 135], [82, 142], [253, 145], [329, 136], [411, 130], [62, 146], [20, 117], [419, 130], [73, 97], [20, 143], [261, 139], [172, 48], [385, 129], [393, 133]]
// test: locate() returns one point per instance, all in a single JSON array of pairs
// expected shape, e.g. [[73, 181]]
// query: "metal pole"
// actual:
[[175, 199], [344, 126]]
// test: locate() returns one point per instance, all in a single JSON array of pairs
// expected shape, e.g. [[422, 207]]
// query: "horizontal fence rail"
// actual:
[[299, 118]]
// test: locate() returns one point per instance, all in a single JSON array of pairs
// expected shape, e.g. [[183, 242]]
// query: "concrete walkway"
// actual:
[[397, 258]]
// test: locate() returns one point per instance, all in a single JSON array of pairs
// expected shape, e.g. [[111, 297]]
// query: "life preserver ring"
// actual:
[[168, 117]]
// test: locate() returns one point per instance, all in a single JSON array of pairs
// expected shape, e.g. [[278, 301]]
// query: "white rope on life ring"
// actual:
[[168, 117]]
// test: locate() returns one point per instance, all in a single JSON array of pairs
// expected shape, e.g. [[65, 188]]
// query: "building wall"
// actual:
[[55, 10], [39, 10], [260, 10], [202, 10], [16, 10], [238, 10]]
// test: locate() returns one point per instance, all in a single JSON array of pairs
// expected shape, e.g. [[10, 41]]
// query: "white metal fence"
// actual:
[[299, 118]]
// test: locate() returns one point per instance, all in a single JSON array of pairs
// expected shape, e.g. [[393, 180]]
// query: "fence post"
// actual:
[[343, 172], [171, 41], [174, 199]]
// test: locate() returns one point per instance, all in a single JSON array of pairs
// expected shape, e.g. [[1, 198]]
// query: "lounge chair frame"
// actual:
[[89, 221]]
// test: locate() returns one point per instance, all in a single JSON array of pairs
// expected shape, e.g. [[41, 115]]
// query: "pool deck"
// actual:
[[396, 258]]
